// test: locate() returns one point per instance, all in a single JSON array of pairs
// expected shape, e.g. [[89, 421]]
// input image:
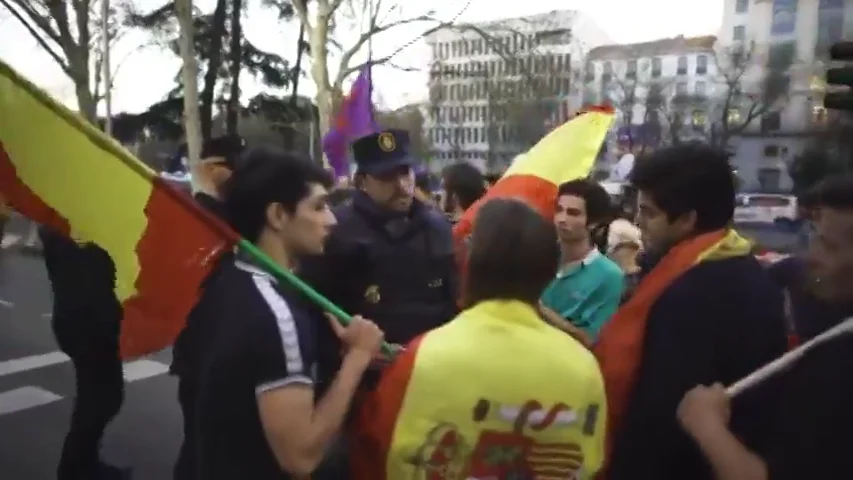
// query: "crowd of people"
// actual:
[[650, 309]]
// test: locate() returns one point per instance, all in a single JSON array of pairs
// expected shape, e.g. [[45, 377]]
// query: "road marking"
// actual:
[[24, 398], [142, 369], [32, 362], [46, 315], [9, 240], [6, 303]]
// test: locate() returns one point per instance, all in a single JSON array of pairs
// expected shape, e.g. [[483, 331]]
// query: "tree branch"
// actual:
[[344, 69], [62, 62]]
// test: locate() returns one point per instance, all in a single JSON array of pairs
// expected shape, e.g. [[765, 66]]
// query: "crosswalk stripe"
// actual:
[[32, 362], [9, 239], [24, 398], [142, 369]]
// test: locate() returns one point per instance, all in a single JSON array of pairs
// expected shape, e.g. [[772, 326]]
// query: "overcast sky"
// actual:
[[146, 72]]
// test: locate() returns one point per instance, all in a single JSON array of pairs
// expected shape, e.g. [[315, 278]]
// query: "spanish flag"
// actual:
[[60, 171], [565, 154], [496, 393]]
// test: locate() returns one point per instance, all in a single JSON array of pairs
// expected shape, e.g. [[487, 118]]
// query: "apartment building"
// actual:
[[662, 90], [497, 87], [791, 37]]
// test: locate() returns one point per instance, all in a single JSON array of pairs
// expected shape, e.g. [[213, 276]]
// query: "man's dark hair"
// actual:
[[266, 176], [599, 206], [689, 177], [835, 192], [465, 182], [514, 253]]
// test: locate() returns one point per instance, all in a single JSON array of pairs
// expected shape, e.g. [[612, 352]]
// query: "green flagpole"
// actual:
[[270, 266]]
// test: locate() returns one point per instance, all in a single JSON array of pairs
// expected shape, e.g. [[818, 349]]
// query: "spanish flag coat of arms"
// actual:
[[495, 394]]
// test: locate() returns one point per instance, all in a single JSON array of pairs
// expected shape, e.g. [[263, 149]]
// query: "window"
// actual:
[[701, 89], [657, 65], [739, 33], [701, 65], [631, 71], [830, 25], [682, 66], [771, 151], [681, 88], [771, 122], [741, 6]]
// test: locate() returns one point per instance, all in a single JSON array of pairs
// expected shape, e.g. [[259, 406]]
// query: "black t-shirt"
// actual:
[[813, 441], [262, 340], [810, 315]]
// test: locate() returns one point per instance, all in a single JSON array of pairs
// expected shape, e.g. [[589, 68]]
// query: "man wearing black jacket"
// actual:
[[86, 322], [218, 159]]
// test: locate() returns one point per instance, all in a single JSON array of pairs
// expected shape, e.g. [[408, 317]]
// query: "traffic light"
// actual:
[[840, 77]]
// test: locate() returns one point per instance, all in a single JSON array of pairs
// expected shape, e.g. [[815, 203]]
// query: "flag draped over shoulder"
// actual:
[[60, 171], [353, 120], [445, 410], [620, 345]]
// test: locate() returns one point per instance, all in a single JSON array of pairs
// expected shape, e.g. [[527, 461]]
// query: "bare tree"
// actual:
[[324, 26], [71, 32], [192, 122], [751, 88]]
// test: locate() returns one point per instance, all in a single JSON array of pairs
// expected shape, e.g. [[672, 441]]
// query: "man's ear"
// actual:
[[276, 216]]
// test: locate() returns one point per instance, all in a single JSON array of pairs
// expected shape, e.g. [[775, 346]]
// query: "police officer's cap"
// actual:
[[227, 147], [382, 152]]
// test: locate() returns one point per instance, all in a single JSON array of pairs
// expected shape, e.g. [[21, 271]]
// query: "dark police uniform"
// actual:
[[395, 268], [86, 322], [191, 344], [263, 339]]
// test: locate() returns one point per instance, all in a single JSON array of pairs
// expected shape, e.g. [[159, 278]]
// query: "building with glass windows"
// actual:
[[783, 47], [496, 88], [662, 91]]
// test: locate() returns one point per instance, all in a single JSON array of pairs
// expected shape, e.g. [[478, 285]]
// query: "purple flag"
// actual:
[[354, 120]]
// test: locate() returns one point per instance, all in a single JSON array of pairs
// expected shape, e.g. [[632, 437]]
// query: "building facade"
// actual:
[[788, 39], [497, 87], [662, 91]]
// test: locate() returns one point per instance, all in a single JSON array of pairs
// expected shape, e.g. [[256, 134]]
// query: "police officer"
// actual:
[[390, 258], [86, 323]]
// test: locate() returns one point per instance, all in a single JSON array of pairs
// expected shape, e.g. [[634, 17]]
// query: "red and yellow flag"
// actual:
[[496, 393], [60, 171], [565, 154]]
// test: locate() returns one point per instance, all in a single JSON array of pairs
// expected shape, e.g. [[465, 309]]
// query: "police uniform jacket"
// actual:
[[395, 269]]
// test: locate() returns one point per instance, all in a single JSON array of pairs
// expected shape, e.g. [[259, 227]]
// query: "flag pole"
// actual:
[[105, 63], [371, 26]]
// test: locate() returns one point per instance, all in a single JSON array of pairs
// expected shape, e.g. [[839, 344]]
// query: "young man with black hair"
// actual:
[[463, 185], [589, 285], [705, 311], [256, 414], [810, 438]]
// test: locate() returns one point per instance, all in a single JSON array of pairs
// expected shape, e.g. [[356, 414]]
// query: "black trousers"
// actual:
[[91, 338], [185, 467]]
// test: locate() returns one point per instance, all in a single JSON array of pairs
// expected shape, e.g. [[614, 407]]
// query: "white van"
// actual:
[[765, 208]]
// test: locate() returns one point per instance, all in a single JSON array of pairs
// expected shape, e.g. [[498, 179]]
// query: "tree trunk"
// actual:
[[192, 125], [86, 103], [212, 73], [320, 74], [232, 116]]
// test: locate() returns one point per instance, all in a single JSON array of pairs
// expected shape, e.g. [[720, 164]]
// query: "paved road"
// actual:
[[37, 389]]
